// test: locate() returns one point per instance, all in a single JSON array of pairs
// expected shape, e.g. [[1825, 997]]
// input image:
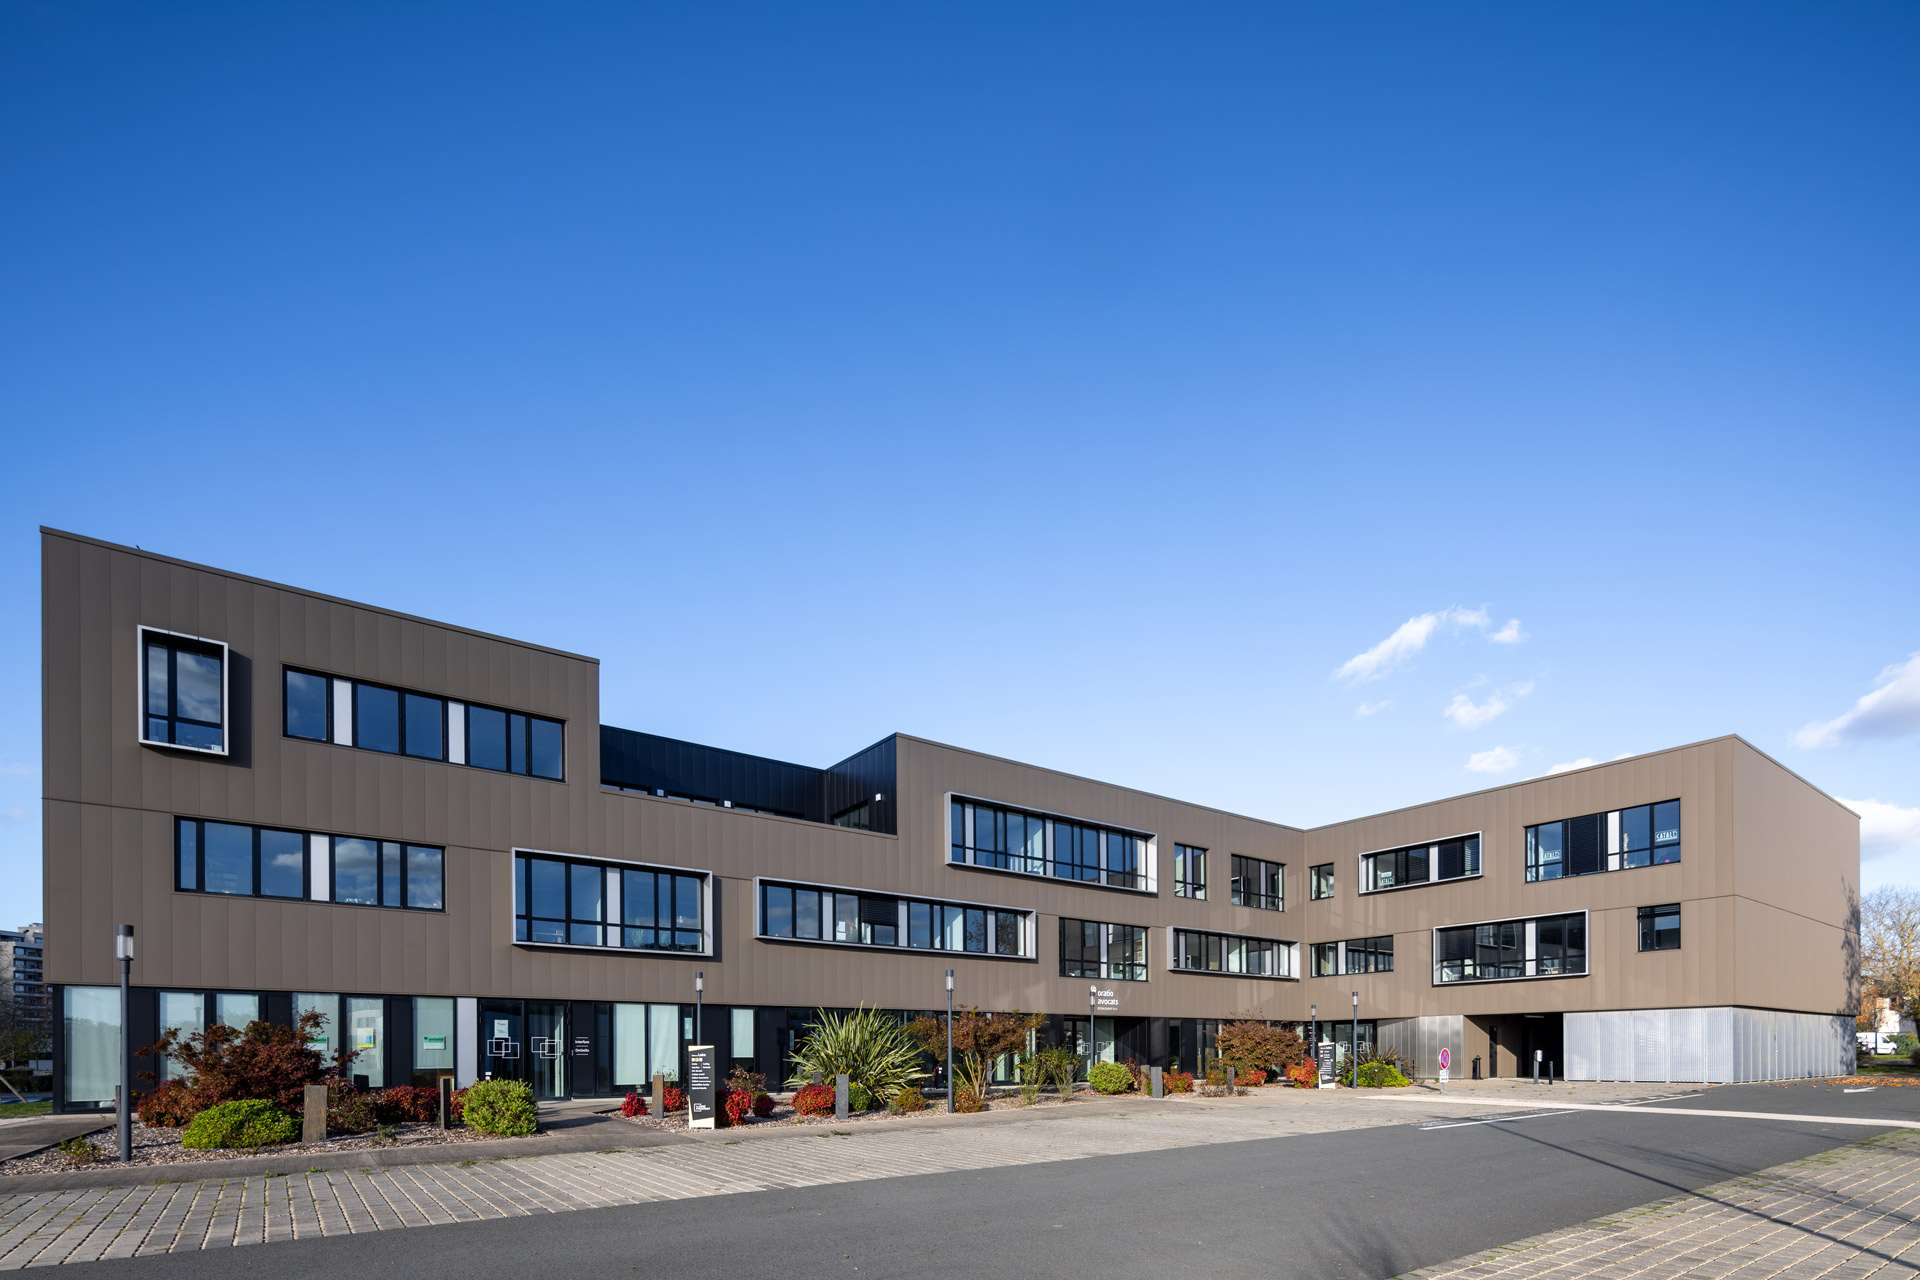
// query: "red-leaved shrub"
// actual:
[[737, 1106], [676, 1099], [170, 1106], [763, 1105], [407, 1104], [813, 1100], [263, 1061], [1257, 1076], [1177, 1081], [633, 1104], [1304, 1075]]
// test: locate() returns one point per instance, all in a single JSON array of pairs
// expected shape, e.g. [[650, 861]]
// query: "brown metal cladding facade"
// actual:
[[1768, 877]]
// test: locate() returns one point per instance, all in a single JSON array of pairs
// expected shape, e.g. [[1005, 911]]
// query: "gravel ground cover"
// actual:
[[153, 1145]]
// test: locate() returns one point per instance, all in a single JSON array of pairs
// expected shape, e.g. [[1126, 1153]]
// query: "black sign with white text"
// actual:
[[700, 1086]]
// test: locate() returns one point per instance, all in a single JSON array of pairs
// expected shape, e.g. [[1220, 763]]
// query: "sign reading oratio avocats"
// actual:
[[700, 1086], [1106, 1000]]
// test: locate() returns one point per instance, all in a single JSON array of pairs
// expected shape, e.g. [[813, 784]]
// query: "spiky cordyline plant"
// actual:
[[871, 1048]]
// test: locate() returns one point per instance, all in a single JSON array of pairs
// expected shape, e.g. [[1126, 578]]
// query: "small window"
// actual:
[[183, 690], [307, 707], [1660, 928], [1189, 872], [425, 727], [860, 817], [1321, 882], [376, 719], [487, 738], [1326, 959]]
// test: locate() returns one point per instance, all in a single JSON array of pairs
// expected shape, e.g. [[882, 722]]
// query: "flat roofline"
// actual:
[[1603, 764], [1059, 773], [310, 594]]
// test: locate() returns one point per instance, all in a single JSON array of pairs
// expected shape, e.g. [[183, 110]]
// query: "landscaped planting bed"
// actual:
[[154, 1145]]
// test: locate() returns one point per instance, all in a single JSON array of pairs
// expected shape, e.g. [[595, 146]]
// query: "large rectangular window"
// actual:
[[1326, 959], [376, 717], [92, 1043], [1189, 872], [1660, 927], [566, 901], [1542, 947], [1620, 839], [1256, 883], [809, 913], [268, 862], [1198, 952], [183, 691], [1370, 955], [1095, 949], [1006, 839], [1450, 859]]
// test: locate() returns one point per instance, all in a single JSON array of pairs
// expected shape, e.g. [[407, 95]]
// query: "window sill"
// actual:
[[603, 950], [1423, 884], [175, 746], [1042, 878], [895, 950], [1530, 977], [1219, 973]]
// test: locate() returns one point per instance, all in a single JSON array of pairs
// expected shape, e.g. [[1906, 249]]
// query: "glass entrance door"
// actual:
[[547, 1049], [503, 1040]]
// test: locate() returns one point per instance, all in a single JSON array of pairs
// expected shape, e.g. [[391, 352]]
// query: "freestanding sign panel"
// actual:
[[1326, 1064], [700, 1086]]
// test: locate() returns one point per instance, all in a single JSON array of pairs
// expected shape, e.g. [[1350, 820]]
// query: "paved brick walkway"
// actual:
[[1845, 1213]]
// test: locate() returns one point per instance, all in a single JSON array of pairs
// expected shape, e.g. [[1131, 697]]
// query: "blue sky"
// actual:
[[1089, 385]]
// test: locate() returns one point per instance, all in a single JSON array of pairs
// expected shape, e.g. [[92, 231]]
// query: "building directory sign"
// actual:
[[1327, 1069], [700, 1086]]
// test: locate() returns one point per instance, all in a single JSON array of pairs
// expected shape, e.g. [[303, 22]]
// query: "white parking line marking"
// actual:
[[1869, 1089], [1461, 1124]]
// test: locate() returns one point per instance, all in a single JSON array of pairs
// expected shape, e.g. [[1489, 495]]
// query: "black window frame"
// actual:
[[524, 916], [174, 644], [1659, 852], [519, 731], [1072, 850], [1650, 931], [1107, 937], [983, 922], [1245, 868], [1431, 855], [1186, 857], [306, 866], [1368, 955], [1315, 877], [1212, 948], [1485, 956]]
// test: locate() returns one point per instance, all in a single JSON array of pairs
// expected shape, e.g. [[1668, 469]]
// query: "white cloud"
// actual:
[[1496, 760], [15, 814], [1411, 636], [1892, 709], [1570, 765], [1886, 828], [1373, 708], [1468, 714]]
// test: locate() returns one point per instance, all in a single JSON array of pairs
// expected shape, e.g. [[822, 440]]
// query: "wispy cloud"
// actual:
[[1411, 636], [1468, 714], [1373, 708], [1886, 828], [15, 814], [18, 769], [1495, 760], [1891, 710], [1569, 766]]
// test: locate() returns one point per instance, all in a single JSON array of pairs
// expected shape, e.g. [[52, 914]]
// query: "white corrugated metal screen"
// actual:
[[1717, 1046]]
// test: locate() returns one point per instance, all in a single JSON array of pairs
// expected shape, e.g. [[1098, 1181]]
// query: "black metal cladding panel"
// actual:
[[862, 776], [629, 758], [1584, 854]]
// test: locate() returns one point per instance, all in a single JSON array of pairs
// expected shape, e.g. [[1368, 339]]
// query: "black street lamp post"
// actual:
[[699, 991], [123, 952], [1354, 1048], [949, 1042]]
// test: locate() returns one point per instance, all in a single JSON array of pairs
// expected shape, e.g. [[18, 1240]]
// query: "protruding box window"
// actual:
[[183, 691]]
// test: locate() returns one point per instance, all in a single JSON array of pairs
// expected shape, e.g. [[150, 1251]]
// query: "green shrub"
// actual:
[[1906, 1046], [906, 1100], [503, 1107], [1380, 1075], [349, 1110], [253, 1123], [860, 1098], [1110, 1077], [80, 1151]]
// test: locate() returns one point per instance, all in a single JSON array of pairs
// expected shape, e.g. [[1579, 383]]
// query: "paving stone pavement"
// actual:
[[1845, 1213], [84, 1224]]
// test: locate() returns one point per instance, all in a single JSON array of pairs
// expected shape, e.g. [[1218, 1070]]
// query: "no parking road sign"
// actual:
[[1446, 1060]]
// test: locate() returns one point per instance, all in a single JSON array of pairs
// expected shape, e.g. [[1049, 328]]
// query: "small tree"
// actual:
[[1247, 1046], [261, 1061], [978, 1040]]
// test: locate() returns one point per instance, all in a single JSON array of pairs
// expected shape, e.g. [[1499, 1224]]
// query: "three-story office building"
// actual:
[[425, 834]]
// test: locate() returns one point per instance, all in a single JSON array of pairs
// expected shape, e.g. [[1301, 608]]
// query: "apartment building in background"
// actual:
[[23, 975], [425, 834]]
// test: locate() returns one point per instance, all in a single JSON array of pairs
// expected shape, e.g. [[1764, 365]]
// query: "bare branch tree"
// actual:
[[1890, 945]]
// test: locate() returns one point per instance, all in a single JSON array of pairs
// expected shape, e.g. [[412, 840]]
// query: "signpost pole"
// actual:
[[1093, 1043], [1313, 1041], [949, 1042]]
